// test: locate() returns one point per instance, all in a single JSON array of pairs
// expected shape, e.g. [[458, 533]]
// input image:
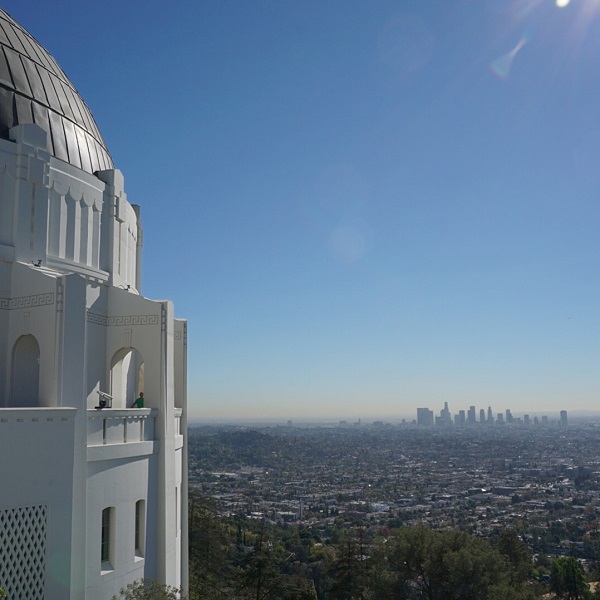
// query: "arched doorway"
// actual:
[[126, 377], [25, 384]]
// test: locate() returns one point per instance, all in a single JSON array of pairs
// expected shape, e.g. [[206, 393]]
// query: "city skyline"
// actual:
[[369, 208], [370, 420], [427, 417]]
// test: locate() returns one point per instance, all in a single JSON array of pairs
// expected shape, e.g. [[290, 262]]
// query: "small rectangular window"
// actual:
[[108, 534], [105, 553], [140, 527], [176, 512]]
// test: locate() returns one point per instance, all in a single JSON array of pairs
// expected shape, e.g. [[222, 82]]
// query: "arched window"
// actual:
[[25, 382], [126, 377], [107, 546]]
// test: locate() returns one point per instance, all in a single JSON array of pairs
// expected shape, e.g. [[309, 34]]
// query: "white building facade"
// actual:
[[91, 498]]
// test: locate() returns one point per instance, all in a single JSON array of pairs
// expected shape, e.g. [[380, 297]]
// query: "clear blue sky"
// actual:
[[361, 207]]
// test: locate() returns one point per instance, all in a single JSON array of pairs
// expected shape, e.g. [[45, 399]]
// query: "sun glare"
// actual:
[[562, 3]]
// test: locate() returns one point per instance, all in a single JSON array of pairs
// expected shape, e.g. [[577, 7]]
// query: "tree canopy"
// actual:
[[418, 562], [567, 579], [148, 589]]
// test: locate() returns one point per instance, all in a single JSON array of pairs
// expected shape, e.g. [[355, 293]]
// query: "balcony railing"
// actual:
[[120, 426], [178, 412]]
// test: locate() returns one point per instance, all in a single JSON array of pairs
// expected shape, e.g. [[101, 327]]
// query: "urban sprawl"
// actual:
[[540, 477]]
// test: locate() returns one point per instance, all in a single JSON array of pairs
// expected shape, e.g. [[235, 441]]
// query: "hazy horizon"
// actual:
[[574, 416]]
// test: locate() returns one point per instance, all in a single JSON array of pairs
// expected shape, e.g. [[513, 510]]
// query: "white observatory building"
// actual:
[[93, 492]]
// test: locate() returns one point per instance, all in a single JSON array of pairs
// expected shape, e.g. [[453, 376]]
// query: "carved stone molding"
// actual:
[[97, 319], [27, 301], [182, 335], [124, 320]]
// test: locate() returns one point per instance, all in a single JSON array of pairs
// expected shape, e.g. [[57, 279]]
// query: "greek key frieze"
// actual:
[[182, 335], [27, 301], [124, 320], [134, 320], [97, 319]]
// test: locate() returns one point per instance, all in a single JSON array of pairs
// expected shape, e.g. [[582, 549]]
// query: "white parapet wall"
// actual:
[[36, 475]]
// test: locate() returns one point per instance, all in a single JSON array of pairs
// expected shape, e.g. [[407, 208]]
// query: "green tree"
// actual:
[[417, 562], [148, 589], [209, 548], [349, 569], [567, 579], [261, 578], [516, 553], [509, 592]]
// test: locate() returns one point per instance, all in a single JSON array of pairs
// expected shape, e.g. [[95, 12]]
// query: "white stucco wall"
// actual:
[[36, 446], [32, 311], [120, 483]]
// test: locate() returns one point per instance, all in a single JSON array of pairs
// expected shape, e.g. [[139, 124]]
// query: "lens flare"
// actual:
[[348, 243], [501, 66]]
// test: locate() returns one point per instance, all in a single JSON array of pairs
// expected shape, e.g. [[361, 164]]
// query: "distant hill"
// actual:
[[232, 449]]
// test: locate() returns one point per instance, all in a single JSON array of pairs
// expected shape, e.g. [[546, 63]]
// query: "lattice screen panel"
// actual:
[[23, 552]]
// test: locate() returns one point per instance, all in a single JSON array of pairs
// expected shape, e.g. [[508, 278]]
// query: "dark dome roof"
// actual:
[[33, 89]]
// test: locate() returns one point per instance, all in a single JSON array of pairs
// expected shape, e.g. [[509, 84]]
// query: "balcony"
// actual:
[[120, 433], [120, 426], [178, 412], [178, 434]]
